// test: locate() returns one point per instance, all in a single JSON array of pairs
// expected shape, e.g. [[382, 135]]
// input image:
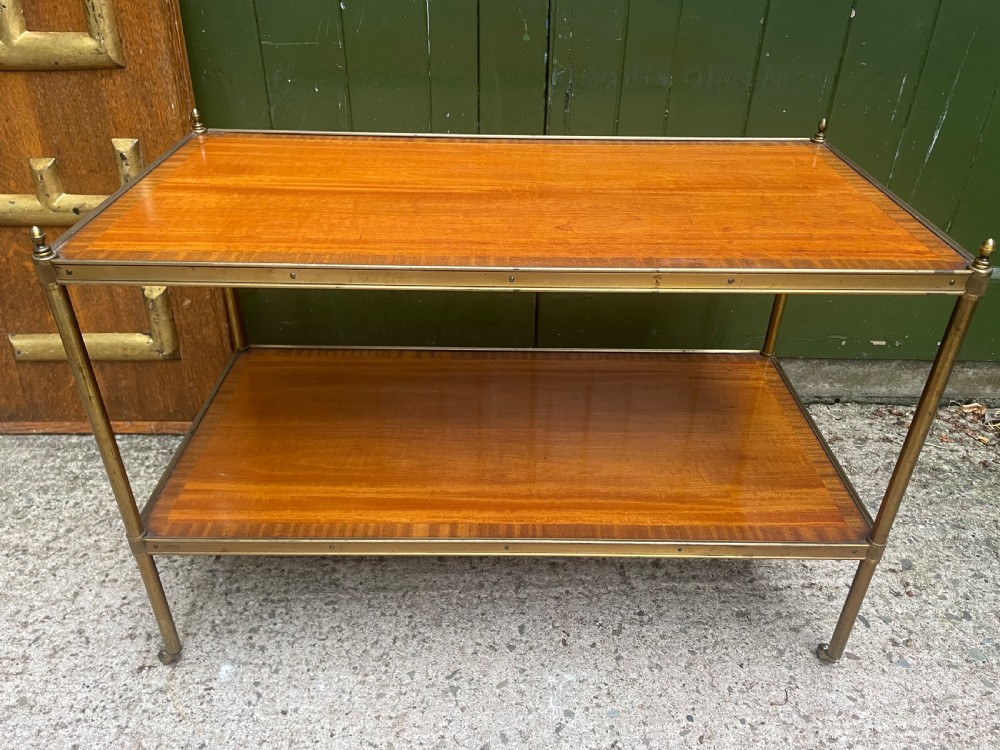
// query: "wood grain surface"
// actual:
[[369, 444], [72, 115], [502, 203]]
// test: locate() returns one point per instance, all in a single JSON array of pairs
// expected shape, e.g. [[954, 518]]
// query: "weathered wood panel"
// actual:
[[588, 42], [957, 87], [304, 65], [227, 69], [513, 56], [650, 41], [389, 65], [798, 64], [718, 46], [878, 79], [454, 66]]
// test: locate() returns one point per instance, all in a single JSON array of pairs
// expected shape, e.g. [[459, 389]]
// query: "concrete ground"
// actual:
[[503, 653]]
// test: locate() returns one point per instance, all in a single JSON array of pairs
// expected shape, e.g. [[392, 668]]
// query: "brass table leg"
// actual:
[[774, 325], [86, 382], [947, 353], [237, 334]]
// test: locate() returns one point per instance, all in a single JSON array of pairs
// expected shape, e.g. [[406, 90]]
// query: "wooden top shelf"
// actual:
[[417, 204], [474, 446]]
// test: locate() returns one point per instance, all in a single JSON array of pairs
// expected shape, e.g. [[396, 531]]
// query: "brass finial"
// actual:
[[42, 249], [820, 136], [196, 124], [982, 263]]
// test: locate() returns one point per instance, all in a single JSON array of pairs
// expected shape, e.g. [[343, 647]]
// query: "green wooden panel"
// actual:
[[952, 101], [868, 328], [588, 43], [650, 40], [652, 321], [513, 43], [388, 62], [882, 65], [454, 66], [841, 327], [304, 64], [978, 217], [803, 44], [360, 318], [978, 214], [884, 327], [717, 49], [226, 66], [983, 342]]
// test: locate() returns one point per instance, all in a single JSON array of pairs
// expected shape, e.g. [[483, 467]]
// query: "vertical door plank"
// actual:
[[304, 65], [798, 66], [513, 43], [878, 78], [977, 215], [388, 63], [952, 101], [717, 48], [650, 39], [226, 66], [454, 66], [588, 41]]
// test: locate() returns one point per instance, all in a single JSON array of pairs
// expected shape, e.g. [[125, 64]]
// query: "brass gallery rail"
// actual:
[[326, 451]]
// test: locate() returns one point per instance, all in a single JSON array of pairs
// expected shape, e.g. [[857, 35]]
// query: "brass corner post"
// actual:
[[93, 404], [820, 135], [42, 251], [923, 418], [774, 325], [197, 126], [237, 332]]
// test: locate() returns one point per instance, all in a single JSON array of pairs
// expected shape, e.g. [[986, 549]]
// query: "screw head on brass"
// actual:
[[196, 124], [42, 249], [820, 136]]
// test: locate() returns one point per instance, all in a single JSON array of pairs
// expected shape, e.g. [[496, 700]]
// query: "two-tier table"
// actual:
[[320, 451]]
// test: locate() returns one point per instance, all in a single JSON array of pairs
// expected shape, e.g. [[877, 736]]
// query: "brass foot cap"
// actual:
[[823, 652], [167, 658]]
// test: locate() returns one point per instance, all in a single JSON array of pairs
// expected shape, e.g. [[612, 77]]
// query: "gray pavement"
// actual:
[[502, 653]]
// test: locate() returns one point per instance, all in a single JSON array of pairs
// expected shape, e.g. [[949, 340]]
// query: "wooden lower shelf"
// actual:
[[325, 451]]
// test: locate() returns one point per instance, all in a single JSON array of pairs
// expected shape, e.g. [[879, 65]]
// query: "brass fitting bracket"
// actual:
[[160, 343], [52, 206], [820, 135], [875, 552], [98, 47], [981, 270], [138, 545]]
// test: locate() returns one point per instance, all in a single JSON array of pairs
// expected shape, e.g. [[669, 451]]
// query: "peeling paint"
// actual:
[[944, 113]]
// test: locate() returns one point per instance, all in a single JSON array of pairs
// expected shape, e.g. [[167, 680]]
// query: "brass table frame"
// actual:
[[967, 285]]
